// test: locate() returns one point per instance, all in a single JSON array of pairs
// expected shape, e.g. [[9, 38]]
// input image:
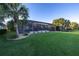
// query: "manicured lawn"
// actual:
[[43, 44]]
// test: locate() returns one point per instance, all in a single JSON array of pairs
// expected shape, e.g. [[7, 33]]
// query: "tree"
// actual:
[[61, 24], [58, 22], [67, 24], [2, 13], [10, 25], [14, 10], [74, 25]]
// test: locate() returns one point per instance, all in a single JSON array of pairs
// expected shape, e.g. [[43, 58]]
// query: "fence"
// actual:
[[42, 31]]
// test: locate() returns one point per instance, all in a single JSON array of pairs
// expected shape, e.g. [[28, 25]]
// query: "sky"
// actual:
[[47, 12]]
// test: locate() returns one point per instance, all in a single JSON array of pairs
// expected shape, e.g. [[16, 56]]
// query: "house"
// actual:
[[32, 25]]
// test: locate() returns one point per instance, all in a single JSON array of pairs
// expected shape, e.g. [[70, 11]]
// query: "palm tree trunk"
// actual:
[[16, 28], [16, 25]]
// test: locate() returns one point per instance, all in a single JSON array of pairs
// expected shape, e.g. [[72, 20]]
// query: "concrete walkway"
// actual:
[[35, 32], [21, 37]]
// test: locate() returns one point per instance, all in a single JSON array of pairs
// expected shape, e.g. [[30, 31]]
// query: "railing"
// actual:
[[42, 31]]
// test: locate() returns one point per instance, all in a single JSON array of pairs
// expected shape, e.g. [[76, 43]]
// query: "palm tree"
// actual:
[[14, 10]]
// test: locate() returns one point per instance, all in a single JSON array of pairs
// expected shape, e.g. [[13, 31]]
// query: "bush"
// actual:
[[3, 31], [11, 35]]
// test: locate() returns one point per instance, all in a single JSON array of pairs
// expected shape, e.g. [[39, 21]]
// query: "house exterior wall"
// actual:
[[35, 26]]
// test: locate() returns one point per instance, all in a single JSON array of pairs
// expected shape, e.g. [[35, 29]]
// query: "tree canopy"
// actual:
[[13, 10], [65, 23]]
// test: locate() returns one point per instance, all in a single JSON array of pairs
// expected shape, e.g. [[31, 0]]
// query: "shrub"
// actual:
[[3, 31], [11, 35]]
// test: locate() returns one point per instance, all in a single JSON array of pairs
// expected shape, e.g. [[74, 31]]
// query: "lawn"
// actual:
[[43, 44]]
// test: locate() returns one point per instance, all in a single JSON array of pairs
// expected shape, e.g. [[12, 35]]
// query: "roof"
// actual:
[[38, 22]]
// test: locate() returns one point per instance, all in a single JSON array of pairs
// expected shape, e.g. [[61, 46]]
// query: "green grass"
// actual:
[[43, 44]]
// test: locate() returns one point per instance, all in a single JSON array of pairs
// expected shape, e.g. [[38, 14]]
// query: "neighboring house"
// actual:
[[2, 26], [32, 25]]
